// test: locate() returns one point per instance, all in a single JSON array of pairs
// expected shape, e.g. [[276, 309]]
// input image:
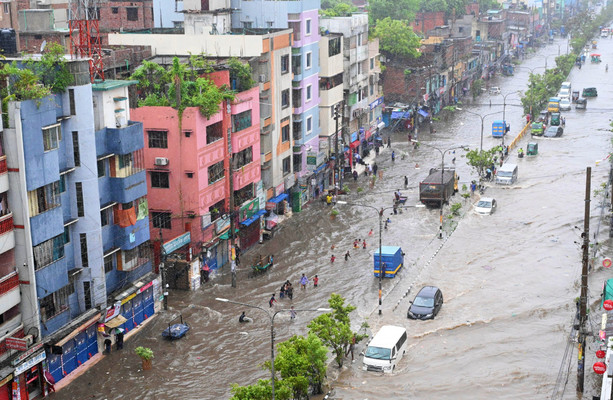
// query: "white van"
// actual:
[[507, 174], [564, 93], [566, 85], [385, 349]]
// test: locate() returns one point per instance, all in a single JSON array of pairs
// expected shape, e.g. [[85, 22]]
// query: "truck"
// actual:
[[392, 259], [554, 104], [438, 187]]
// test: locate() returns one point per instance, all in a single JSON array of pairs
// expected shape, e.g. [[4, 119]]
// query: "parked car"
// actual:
[[564, 93], [426, 304], [554, 131], [581, 103], [565, 104], [485, 206], [589, 92], [494, 90]]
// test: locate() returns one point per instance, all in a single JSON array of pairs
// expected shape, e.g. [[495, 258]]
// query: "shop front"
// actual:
[[28, 382], [137, 306], [6, 375], [250, 230]]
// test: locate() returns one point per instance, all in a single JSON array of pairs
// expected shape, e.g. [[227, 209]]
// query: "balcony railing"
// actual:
[[6, 224], [9, 282], [3, 167]]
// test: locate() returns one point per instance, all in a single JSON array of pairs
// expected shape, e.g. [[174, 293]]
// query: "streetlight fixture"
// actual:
[[380, 213], [440, 230], [504, 106], [272, 332], [482, 119]]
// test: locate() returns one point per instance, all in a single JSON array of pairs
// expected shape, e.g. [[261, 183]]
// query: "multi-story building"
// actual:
[[356, 77], [302, 17], [190, 174], [81, 229]]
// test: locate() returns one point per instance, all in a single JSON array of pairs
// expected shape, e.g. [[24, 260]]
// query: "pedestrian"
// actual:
[[329, 199], [377, 149], [473, 187], [204, 275], [351, 348], [406, 182], [355, 244], [364, 244], [501, 162], [528, 116], [355, 175], [389, 142], [304, 280], [395, 207], [289, 290], [347, 255], [315, 281], [237, 253], [370, 233], [282, 291], [292, 313], [119, 340], [375, 168], [332, 258], [393, 156], [370, 169], [272, 301]]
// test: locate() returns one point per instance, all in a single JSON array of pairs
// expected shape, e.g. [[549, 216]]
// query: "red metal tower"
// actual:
[[85, 42]]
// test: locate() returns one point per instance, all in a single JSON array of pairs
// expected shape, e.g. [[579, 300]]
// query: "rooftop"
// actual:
[[111, 84]]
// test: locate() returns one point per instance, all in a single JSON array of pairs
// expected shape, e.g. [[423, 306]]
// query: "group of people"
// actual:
[[368, 170]]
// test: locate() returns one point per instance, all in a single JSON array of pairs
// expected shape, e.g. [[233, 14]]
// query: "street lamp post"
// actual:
[[443, 152], [482, 121], [272, 332], [380, 214], [504, 106]]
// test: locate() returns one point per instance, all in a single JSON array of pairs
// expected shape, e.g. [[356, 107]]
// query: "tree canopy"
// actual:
[[397, 38], [337, 8], [402, 10]]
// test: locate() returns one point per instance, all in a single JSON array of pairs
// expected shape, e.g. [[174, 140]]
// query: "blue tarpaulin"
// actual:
[[423, 113], [253, 218], [401, 114], [279, 198]]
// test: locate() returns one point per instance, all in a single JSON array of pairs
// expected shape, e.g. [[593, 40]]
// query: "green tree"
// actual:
[[481, 160], [241, 72], [475, 88], [402, 10], [340, 9], [397, 38], [152, 78], [334, 329], [262, 390]]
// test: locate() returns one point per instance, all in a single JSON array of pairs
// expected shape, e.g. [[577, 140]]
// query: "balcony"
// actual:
[[4, 177], [9, 292], [247, 174], [133, 235], [129, 188], [7, 235], [331, 96], [126, 139], [46, 225]]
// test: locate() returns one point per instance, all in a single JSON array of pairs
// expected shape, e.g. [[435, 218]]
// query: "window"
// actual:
[[115, 10], [297, 129], [372, 63], [101, 168], [307, 30], [104, 217], [71, 101], [108, 264], [136, 257], [297, 162], [309, 60], [309, 92], [62, 183], [243, 158], [285, 64], [66, 234], [159, 180], [84, 251], [79, 193], [132, 13], [359, 39], [359, 68], [287, 165], [54, 303], [7, 8], [75, 149], [372, 89], [241, 121], [51, 137], [285, 98], [309, 124], [161, 220], [44, 198], [296, 64], [73, 275], [48, 251], [285, 131], [216, 172], [127, 164], [334, 46], [214, 132], [158, 139]]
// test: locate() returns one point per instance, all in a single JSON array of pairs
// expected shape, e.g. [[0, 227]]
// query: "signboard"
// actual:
[[16, 343], [30, 363], [6, 380], [112, 311], [27, 354], [145, 287], [130, 297], [177, 243], [222, 224], [354, 136], [247, 210], [280, 188], [375, 103]]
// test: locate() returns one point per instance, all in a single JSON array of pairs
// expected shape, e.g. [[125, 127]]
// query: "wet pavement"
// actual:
[[509, 279]]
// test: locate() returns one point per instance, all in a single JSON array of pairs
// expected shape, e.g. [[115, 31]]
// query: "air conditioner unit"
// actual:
[[262, 78], [161, 161], [29, 339]]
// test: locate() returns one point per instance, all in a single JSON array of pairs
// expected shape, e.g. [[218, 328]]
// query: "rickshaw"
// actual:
[[575, 96], [594, 42], [544, 117], [555, 118], [532, 149], [595, 58]]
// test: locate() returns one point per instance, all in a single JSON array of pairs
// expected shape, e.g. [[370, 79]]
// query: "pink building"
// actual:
[[188, 164]]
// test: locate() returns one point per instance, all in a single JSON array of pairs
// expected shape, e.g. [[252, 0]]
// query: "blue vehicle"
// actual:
[[392, 259], [499, 129], [175, 331]]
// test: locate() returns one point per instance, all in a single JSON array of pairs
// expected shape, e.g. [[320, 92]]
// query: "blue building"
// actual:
[[80, 211]]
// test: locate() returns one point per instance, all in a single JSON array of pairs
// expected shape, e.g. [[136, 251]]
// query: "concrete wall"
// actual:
[[164, 14], [265, 14]]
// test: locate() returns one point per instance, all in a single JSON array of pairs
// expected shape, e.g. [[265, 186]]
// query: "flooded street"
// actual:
[[509, 280]]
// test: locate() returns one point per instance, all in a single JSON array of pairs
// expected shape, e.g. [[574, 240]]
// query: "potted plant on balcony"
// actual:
[[146, 355]]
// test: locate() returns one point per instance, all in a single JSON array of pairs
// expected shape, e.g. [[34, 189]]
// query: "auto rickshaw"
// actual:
[[537, 129], [555, 118], [595, 58], [532, 149], [544, 117]]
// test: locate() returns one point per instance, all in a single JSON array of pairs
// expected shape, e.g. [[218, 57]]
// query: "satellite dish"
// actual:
[[43, 45]]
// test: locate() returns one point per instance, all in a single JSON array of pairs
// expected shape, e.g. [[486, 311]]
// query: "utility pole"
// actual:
[[163, 271], [583, 298], [231, 177], [336, 158]]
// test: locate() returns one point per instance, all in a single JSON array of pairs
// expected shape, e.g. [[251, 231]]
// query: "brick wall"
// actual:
[[425, 22], [114, 15]]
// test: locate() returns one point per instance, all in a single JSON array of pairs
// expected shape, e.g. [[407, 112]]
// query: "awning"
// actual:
[[278, 199], [253, 218], [423, 113], [320, 168], [115, 322], [226, 235], [381, 125], [77, 326]]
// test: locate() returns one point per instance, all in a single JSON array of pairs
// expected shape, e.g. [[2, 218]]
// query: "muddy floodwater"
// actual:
[[509, 279]]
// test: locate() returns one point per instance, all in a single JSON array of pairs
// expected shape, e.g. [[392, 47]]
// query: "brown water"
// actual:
[[509, 279]]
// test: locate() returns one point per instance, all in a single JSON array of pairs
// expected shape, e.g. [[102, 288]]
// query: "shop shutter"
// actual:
[[69, 358], [149, 302], [127, 314], [55, 366], [137, 306], [81, 348], [92, 341]]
